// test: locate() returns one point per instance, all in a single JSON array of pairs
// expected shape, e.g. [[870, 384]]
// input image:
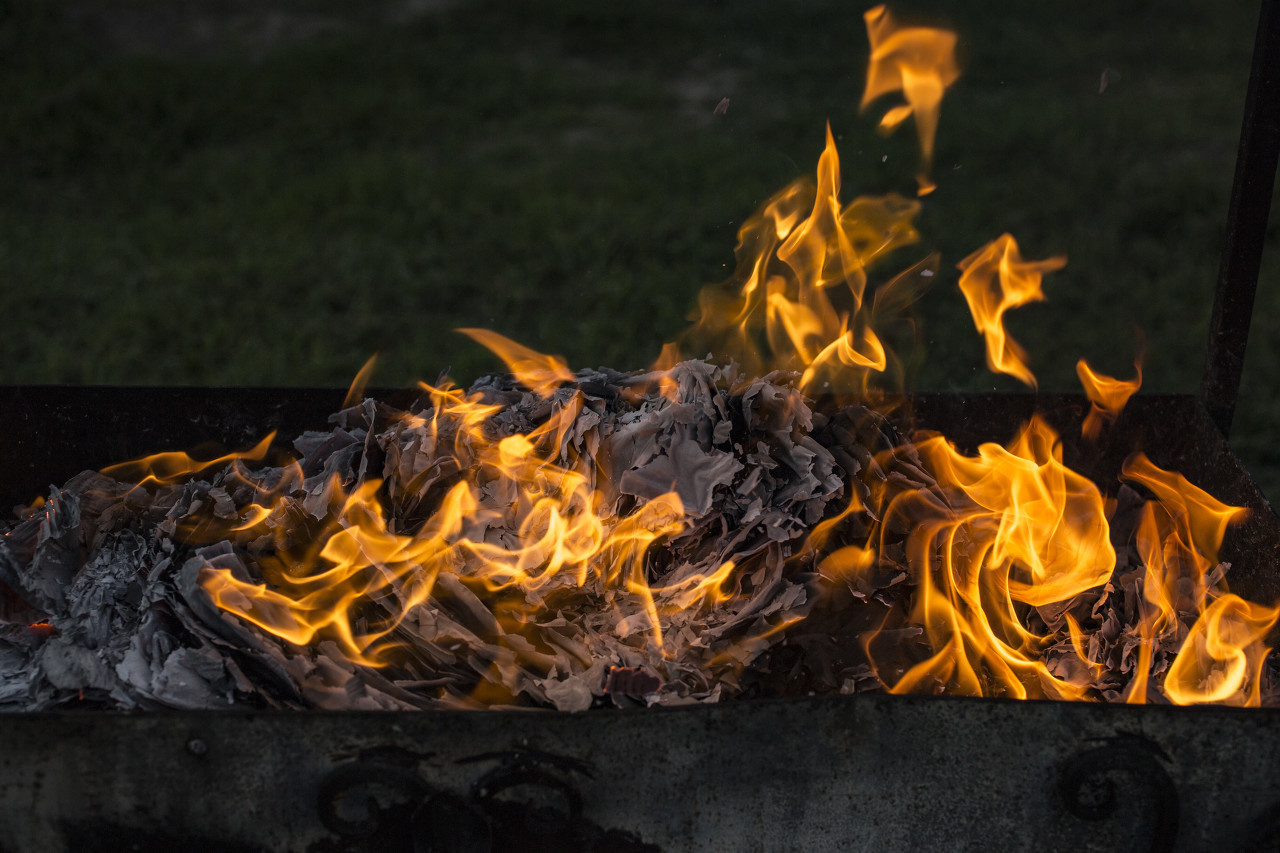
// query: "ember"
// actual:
[[763, 521]]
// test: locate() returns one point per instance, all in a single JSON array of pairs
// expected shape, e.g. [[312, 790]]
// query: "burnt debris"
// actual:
[[105, 591]]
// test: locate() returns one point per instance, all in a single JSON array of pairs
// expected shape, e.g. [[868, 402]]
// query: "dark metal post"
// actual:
[[1246, 225]]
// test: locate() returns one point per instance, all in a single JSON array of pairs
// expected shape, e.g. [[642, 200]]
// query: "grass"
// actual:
[[273, 203]]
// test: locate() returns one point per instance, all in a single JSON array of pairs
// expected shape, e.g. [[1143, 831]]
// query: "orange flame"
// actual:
[[996, 539], [1107, 396], [993, 280], [562, 540], [798, 300], [1221, 659], [1016, 527], [918, 61], [1179, 537], [356, 392], [541, 374], [1202, 520], [172, 466]]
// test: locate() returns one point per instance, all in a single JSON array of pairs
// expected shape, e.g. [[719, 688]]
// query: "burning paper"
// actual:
[[762, 522], [495, 547]]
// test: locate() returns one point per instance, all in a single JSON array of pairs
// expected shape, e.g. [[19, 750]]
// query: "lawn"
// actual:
[[269, 193]]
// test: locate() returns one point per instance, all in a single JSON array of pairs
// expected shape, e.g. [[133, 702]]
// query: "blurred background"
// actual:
[[268, 192]]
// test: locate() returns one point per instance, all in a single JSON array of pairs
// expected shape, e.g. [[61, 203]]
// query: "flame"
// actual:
[[1107, 396], [170, 467], [798, 299], [992, 542], [1014, 527], [1000, 535], [361, 381], [541, 374], [918, 61], [1201, 520], [994, 279], [1179, 537], [1221, 659], [563, 540]]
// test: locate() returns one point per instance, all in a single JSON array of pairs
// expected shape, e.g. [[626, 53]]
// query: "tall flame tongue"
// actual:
[[798, 299], [921, 63], [1178, 538]]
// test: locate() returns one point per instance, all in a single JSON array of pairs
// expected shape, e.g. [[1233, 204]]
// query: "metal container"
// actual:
[[821, 773]]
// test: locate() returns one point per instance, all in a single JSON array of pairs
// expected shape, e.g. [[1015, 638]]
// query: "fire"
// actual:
[[1107, 396], [1221, 659], [171, 467], [1179, 537], [918, 61], [994, 279], [542, 374], [1009, 554], [1008, 528], [797, 300], [566, 539]]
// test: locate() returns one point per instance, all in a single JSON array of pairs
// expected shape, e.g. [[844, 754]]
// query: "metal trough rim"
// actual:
[[822, 773]]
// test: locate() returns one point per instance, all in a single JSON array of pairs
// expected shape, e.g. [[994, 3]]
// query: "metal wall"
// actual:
[[836, 773]]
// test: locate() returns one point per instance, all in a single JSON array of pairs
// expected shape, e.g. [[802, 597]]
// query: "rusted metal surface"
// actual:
[[834, 773]]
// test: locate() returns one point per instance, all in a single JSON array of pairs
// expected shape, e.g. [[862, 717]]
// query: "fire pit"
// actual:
[[823, 772], [815, 772]]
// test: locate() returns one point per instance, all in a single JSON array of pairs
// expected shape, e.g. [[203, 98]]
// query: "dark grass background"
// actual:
[[258, 193]]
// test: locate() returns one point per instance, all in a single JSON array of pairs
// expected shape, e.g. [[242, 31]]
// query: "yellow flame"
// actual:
[[1107, 396], [798, 299], [562, 540], [1201, 518], [1221, 659], [995, 279], [541, 374], [172, 466], [847, 561], [921, 63], [536, 529], [1178, 538], [360, 382], [1020, 528]]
